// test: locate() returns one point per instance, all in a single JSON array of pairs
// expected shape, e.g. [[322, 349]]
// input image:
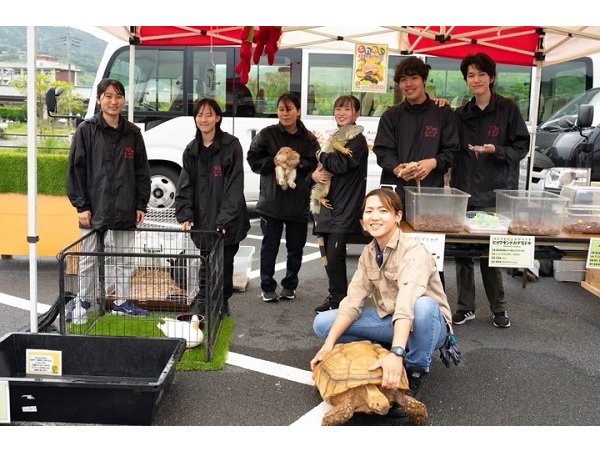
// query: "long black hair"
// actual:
[[212, 104]]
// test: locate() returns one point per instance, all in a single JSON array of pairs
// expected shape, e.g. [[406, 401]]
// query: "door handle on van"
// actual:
[[252, 133]]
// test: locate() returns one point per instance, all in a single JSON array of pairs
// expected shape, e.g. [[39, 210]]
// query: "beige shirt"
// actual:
[[407, 273]]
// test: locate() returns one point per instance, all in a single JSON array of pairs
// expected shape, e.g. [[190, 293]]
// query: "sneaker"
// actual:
[[327, 305], [287, 294], [501, 320], [460, 317], [415, 381], [77, 313], [270, 296], [128, 309]]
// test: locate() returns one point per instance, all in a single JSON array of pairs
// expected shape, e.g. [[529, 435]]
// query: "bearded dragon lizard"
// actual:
[[337, 142]]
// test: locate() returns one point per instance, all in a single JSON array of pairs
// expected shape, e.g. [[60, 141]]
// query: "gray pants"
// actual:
[[492, 283], [117, 241]]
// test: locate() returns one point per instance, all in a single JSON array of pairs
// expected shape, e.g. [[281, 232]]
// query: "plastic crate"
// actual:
[[105, 379]]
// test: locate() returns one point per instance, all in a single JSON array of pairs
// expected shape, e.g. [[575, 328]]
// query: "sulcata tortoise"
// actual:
[[344, 380]]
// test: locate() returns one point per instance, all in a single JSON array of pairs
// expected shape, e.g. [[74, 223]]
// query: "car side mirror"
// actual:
[[585, 117], [51, 104]]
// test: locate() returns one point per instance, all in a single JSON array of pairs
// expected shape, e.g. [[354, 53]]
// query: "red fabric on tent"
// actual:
[[507, 45], [189, 35]]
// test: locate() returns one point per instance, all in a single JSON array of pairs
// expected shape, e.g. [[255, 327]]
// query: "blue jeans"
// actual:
[[428, 334]]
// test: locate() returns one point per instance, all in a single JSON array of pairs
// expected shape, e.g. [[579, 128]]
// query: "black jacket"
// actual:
[[210, 191], [408, 133], [501, 124], [108, 173], [291, 204], [347, 190]]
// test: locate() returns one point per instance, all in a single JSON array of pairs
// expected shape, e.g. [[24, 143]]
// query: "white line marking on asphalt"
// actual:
[[270, 368], [22, 303], [313, 417]]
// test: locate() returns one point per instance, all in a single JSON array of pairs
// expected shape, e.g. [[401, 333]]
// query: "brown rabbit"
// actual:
[[286, 161]]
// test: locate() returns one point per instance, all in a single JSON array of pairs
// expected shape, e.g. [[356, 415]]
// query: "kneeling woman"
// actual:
[[395, 297]]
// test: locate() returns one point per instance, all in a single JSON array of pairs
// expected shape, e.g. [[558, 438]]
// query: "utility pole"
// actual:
[[70, 41]]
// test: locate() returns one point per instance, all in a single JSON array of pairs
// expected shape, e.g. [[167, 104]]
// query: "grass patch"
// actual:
[[192, 359]]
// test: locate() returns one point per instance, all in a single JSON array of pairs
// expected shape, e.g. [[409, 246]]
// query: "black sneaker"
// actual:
[[287, 294], [327, 305], [415, 380], [414, 390], [460, 317], [501, 320]]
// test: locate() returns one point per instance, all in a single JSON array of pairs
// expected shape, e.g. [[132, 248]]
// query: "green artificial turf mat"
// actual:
[[192, 359]]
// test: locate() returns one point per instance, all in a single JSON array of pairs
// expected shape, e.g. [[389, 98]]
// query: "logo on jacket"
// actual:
[[128, 153], [431, 131], [493, 130], [217, 171]]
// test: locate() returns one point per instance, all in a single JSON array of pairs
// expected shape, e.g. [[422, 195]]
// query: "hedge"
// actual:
[[51, 173]]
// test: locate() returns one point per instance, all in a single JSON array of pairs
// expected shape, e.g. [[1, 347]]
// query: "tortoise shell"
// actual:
[[347, 367]]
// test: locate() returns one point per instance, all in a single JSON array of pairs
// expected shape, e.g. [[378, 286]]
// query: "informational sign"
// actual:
[[370, 68], [43, 362], [435, 243], [512, 251], [4, 402], [593, 258]]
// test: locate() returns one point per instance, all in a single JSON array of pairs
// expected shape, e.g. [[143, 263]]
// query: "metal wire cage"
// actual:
[[169, 273]]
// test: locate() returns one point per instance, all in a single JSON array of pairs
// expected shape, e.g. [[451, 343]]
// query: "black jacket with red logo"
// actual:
[[408, 133], [108, 173], [501, 124], [210, 191]]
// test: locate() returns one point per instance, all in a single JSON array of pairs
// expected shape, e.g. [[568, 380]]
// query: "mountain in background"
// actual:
[[69, 45]]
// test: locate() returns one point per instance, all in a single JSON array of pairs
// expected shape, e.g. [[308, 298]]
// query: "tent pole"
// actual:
[[131, 83], [32, 236], [535, 101]]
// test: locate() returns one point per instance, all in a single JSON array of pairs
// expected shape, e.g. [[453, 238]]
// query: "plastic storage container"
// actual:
[[582, 220], [566, 270], [105, 379], [480, 222], [532, 213], [435, 209], [242, 266], [581, 195]]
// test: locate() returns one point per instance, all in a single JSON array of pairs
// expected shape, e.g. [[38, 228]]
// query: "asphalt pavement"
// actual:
[[542, 371]]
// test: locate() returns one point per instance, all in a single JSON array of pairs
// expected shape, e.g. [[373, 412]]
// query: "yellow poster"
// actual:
[[370, 68]]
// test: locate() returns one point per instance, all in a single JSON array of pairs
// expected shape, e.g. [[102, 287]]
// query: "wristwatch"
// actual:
[[398, 351]]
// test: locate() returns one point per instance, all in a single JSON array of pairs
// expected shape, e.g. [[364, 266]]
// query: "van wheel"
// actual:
[[163, 182]]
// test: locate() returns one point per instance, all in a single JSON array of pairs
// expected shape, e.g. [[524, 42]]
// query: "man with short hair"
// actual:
[[415, 131], [493, 139]]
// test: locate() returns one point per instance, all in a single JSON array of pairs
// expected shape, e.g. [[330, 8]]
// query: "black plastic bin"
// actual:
[[105, 379]]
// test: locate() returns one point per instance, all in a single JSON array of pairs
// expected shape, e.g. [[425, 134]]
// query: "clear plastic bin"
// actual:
[[532, 213], [435, 209], [582, 220]]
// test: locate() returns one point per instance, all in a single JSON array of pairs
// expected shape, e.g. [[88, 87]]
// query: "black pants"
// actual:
[[333, 254], [229, 252], [492, 283], [295, 239]]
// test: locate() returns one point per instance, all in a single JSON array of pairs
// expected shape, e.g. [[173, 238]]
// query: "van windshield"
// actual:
[[589, 97]]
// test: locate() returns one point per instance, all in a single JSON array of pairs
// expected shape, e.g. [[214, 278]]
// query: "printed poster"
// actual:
[[370, 68]]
